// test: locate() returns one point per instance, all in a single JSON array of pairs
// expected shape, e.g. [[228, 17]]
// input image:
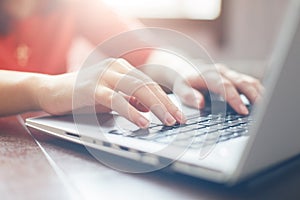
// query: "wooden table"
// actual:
[[38, 167]]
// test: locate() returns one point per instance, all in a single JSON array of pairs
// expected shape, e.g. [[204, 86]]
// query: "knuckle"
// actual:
[[139, 83], [139, 75], [171, 107], [211, 72], [104, 96], [242, 82], [230, 96], [153, 85], [120, 61], [221, 67], [137, 86], [149, 84], [225, 83], [119, 65], [256, 82], [107, 63]]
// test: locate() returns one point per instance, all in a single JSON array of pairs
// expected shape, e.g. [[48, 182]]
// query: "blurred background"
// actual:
[[239, 33]]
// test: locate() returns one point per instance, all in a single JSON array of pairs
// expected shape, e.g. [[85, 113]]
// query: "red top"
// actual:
[[43, 40]]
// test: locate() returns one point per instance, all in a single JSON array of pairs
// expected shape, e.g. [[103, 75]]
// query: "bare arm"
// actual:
[[17, 89], [109, 85]]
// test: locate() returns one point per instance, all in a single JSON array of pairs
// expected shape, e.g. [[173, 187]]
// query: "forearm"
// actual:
[[18, 92]]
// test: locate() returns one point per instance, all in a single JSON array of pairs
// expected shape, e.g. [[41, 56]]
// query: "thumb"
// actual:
[[188, 95]]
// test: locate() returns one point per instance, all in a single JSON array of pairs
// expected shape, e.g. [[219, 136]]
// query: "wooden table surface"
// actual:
[[36, 167]]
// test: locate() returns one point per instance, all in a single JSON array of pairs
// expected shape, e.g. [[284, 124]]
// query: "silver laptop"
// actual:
[[224, 148]]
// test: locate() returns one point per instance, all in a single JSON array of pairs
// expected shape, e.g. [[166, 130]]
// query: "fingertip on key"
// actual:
[[169, 120], [143, 123], [180, 117], [244, 110]]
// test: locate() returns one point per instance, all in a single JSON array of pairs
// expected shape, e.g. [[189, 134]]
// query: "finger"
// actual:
[[248, 90], [249, 86], [115, 101], [228, 91], [153, 97], [166, 101], [137, 104], [159, 103], [135, 83], [188, 95], [161, 97], [245, 85], [215, 82], [120, 65]]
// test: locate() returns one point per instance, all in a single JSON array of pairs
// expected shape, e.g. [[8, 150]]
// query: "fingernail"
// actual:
[[180, 117], [244, 110], [169, 120], [143, 123]]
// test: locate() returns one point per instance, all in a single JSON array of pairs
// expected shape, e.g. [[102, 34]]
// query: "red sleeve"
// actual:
[[97, 22]]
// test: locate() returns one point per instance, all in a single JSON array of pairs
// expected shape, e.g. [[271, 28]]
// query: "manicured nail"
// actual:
[[180, 117], [143, 123], [169, 120], [244, 110]]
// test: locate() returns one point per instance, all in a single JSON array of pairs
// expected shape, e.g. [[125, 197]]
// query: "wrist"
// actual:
[[53, 93], [38, 86]]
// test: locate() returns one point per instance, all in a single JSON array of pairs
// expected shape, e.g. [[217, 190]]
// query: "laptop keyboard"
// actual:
[[200, 130]]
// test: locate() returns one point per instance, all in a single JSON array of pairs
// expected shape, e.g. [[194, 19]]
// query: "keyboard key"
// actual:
[[200, 130]]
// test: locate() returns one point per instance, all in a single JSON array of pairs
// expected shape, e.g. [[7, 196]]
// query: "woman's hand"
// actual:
[[110, 85], [190, 79], [221, 80]]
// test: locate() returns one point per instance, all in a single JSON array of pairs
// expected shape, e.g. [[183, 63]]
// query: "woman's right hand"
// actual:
[[110, 85]]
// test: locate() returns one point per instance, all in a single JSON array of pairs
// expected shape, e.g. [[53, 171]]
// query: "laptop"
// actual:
[[224, 148]]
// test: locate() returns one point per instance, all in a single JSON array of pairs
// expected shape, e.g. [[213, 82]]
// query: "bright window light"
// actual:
[[183, 9]]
